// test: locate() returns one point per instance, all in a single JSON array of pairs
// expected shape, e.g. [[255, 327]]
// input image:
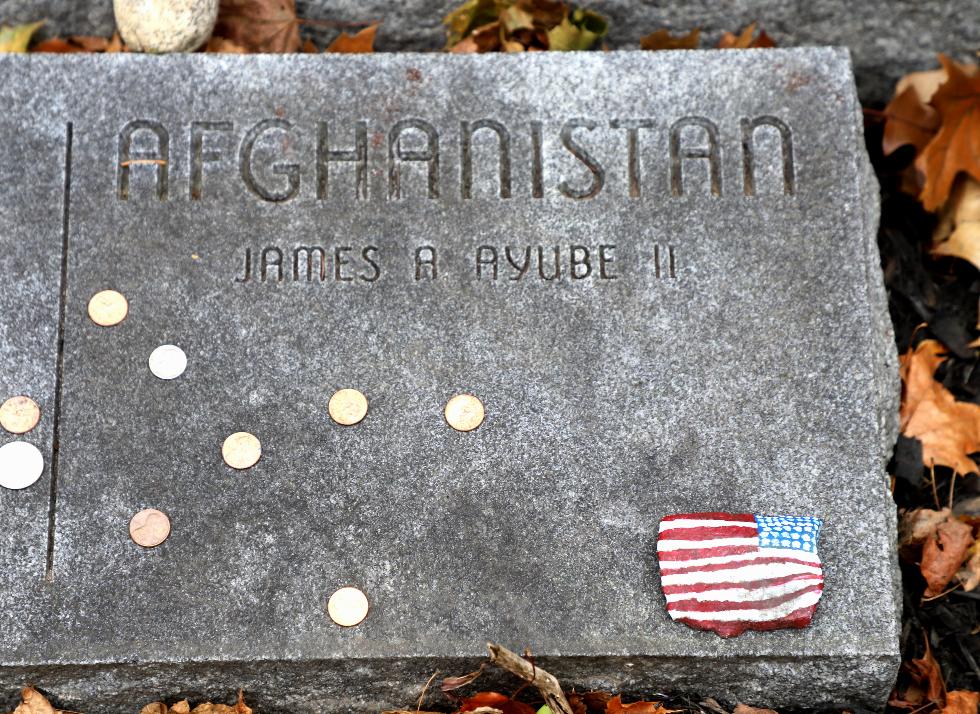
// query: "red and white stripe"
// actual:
[[716, 577]]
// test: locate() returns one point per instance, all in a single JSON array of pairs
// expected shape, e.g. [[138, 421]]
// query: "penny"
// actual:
[[108, 308], [348, 607], [19, 415], [464, 412], [241, 450], [149, 528], [21, 465], [347, 406], [168, 361]]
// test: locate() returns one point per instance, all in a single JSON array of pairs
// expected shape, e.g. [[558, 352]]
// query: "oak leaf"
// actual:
[[616, 706], [969, 574], [956, 146], [33, 702], [927, 684], [580, 30], [259, 25], [961, 702], [943, 554], [949, 430], [495, 700], [745, 39], [958, 232], [18, 37], [909, 120], [746, 709], [359, 43], [663, 40]]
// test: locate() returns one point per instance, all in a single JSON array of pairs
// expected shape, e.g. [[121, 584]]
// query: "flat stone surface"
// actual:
[[888, 38], [729, 348]]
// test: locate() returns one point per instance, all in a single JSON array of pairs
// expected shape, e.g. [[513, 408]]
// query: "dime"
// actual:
[[168, 361], [21, 465], [241, 450], [149, 528], [348, 607], [108, 308], [19, 415], [347, 406], [464, 412]]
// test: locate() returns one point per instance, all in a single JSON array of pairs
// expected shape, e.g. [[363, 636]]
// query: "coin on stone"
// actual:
[[149, 528], [464, 412], [21, 465], [348, 607], [108, 308], [241, 450], [168, 361], [19, 415], [347, 406]]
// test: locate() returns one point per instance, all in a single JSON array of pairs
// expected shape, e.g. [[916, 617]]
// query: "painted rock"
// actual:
[[732, 572], [165, 25]]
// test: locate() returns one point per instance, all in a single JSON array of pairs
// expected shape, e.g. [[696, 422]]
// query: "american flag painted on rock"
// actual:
[[732, 572]]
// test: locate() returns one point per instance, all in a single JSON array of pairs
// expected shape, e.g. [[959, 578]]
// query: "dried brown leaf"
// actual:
[[495, 700], [259, 25], [224, 46], [956, 146], [961, 702], [745, 39], [33, 702], [909, 120], [949, 430], [359, 43], [746, 709], [663, 40], [616, 706], [943, 554]]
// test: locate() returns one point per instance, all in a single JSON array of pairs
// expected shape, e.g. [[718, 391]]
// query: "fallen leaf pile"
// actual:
[[663, 40], [522, 26], [33, 702], [922, 690]]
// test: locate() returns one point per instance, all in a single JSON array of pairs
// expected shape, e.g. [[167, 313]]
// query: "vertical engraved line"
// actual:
[[656, 259], [60, 368], [670, 254]]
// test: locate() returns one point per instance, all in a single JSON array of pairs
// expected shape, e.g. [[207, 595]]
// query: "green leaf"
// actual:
[[18, 37], [470, 15], [579, 31], [544, 710]]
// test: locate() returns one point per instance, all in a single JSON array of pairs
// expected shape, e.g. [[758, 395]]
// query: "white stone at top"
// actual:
[[165, 25]]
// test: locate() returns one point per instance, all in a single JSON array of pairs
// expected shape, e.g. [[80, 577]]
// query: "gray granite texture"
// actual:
[[726, 347], [887, 38]]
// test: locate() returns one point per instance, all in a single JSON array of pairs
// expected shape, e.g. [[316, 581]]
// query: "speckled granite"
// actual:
[[725, 344]]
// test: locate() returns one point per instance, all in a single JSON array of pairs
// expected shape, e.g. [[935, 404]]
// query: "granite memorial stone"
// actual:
[[652, 277]]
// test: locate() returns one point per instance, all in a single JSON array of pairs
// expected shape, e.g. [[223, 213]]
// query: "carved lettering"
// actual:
[[290, 171], [158, 159], [678, 153], [398, 154], [200, 155], [358, 155], [466, 131], [749, 127], [579, 152]]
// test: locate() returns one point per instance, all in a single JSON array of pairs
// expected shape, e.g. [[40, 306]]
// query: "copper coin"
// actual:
[[241, 450], [348, 607], [347, 407], [149, 528], [108, 308], [19, 415], [464, 412]]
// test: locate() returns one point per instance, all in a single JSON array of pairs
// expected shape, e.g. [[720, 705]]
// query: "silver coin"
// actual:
[[21, 465], [168, 361]]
